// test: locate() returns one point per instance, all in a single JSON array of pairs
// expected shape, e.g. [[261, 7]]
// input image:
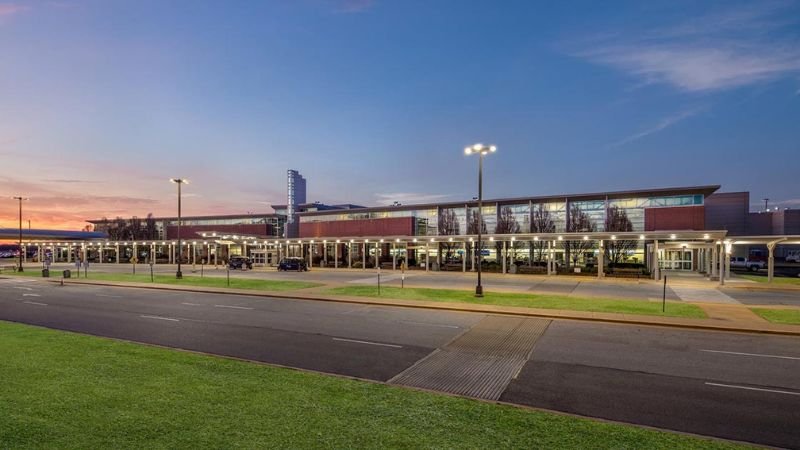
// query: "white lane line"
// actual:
[[430, 324], [752, 354], [160, 318], [31, 295], [23, 287], [109, 296], [231, 306], [368, 343], [190, 304], [753, 389], [34, 303]]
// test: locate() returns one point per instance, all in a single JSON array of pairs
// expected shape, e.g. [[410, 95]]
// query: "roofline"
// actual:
[[705, 190], [224, 216]]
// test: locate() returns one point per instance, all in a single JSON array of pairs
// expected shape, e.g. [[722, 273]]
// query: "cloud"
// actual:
[[661, 125], [408, 197], [9, 9], [735, 48]]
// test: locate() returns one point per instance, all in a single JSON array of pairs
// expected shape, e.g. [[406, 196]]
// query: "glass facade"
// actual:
[[530, 217]]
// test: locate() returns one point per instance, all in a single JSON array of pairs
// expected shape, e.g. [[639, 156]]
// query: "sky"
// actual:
[[101, 102]]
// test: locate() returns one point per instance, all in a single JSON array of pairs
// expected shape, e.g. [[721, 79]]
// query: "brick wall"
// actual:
[[395, 226], [676, 218]]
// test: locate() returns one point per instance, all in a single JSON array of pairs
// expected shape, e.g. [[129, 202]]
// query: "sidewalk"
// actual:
[[721, 317]]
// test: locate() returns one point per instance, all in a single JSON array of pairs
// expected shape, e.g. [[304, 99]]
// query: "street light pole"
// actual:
[[481, 150], [20, 231], [179, 182]]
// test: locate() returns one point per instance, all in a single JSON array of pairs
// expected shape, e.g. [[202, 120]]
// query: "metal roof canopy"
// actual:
[[61, 235], [766, 239]]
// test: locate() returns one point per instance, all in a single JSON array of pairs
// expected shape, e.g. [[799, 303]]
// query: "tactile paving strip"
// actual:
[[481, 362]]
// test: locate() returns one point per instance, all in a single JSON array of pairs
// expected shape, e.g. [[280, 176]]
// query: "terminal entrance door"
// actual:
[[675, 259]]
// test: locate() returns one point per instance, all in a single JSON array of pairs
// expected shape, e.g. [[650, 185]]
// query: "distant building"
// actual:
[[295, 195]]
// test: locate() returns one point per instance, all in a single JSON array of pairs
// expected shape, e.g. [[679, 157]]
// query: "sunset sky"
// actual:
[[101, 102]]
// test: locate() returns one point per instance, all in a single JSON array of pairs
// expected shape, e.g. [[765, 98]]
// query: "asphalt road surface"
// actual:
[[735, 386]]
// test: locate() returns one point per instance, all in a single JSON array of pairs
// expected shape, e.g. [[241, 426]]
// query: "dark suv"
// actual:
[[240, 262], [296, 264]]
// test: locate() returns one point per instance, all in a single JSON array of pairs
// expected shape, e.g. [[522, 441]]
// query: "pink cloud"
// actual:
[[9, 9]]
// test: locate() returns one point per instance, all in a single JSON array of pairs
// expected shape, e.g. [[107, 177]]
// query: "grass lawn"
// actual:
[[674, 309], [215, 281], [785, 316], [64, 390], [775, 280]]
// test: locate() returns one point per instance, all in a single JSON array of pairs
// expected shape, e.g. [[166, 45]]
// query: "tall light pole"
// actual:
[[481, 150], [179, 182], [20, 230]]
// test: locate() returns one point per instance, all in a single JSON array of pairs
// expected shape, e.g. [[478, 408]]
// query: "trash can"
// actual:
[[46, 273], [67, 274]]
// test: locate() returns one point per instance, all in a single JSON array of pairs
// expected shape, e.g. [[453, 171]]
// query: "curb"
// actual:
[[441, 307]]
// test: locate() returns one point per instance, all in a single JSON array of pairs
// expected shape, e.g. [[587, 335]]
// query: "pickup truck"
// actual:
[[744, 263]]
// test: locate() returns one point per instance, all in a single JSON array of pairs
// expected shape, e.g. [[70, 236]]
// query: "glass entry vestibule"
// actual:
[[681, 259]]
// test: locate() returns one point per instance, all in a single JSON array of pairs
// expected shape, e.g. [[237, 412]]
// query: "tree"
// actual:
[[472, 228], [617, 221], [542, 222], [151, 232], [506, 224], [448, 226], [578, 221]]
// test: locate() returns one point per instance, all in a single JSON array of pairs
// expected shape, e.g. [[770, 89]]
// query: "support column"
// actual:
[[505, 256], [394, 256], [727, 263], [336, 255], [350, 255], [600, 257], [464, 258], [771, 262], [714, 265], [656, 268], [472, 255], [364, 256], [325, 254], [427, 257], [721, 253]]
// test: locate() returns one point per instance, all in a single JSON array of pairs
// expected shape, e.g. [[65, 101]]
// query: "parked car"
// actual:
[[240, 262], [793, 256], [296, 264], [744, 263]]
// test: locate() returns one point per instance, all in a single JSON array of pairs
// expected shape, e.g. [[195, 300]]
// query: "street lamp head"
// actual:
[[179, 180], [480, 148]]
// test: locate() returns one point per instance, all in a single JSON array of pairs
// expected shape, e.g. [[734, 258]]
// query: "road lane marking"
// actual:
[[753, 388], [231, 306], [31, 295], [23, 287], [368, 343], [752, 354], [430, 324], [190, 304], [160, 318], [34, 303], [109, 296]]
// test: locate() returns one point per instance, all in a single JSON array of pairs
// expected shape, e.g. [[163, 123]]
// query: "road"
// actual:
[[735, 386], [573, 286]]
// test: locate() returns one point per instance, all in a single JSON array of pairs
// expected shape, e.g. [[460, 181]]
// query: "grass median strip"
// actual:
[[782, 316], [213, 281], [674, 309], [775, 280], [64, 389]]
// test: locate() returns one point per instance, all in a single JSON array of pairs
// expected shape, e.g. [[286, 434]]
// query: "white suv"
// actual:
[[793, 256]]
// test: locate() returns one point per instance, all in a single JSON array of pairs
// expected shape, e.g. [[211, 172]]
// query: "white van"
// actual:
[[793, 256]]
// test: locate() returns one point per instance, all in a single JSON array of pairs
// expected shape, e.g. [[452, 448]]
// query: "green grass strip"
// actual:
[[66, 390], [674, 309], [192, 280], [783, 316], [775, 280]]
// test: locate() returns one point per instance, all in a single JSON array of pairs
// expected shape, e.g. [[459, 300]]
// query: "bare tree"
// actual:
[[617, 221], [472, 228], [578, 221], [542, 222], [506, 224], [151, 232], [448, 226]]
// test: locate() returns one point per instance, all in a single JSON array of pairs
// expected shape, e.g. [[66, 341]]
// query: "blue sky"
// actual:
[[373, 101]]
